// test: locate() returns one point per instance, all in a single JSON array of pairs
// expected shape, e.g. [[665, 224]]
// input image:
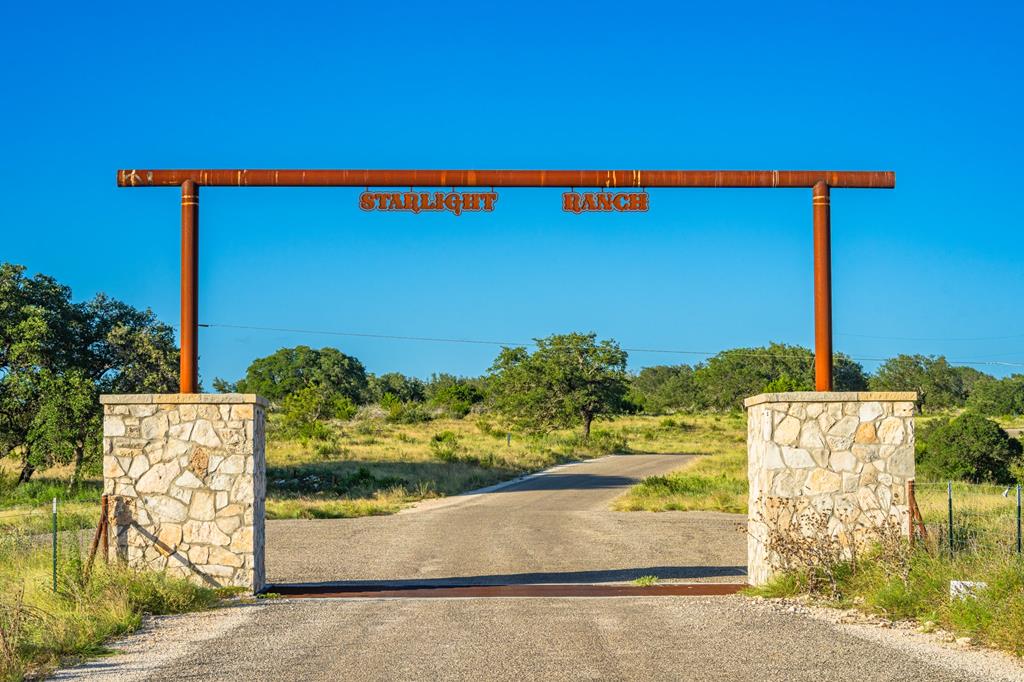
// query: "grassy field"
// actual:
[[915, 586], [376, 467], [715, 482], [41, 629]]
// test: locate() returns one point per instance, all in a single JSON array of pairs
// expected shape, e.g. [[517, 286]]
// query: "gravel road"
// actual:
[[552, 527], [555, 527], [659, 638]]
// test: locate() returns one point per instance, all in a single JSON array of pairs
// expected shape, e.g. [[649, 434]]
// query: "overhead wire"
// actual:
[[521, 344]]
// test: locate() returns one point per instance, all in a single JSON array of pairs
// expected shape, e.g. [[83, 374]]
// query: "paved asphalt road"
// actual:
[[552, 528]]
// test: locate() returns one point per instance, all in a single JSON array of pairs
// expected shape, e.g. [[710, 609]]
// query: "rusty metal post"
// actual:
[[105, 537], [189, 379], [822, 288], [911, 509]]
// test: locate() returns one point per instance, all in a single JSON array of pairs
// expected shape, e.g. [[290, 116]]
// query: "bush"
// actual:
[[997, 396], [457, 399], [665, 387], [41, 629], [968, 448], [305, 412], [445, 445], [399, 412]]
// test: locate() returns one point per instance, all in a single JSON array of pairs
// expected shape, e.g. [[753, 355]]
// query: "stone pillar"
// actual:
[[187, 478], [826, 464]]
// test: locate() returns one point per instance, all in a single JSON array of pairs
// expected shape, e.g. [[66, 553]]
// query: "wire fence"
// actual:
[[969, 517]]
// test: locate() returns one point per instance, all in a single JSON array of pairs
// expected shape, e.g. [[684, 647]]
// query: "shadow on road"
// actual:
[[568, 577], [569, 482]]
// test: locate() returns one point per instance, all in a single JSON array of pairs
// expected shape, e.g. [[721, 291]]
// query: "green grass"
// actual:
[[646, 581], [28, 507], [44, 629], [916, 587], [715, 481], [370, 467]]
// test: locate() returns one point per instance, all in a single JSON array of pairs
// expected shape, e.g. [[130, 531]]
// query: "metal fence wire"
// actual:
[[971, 517]]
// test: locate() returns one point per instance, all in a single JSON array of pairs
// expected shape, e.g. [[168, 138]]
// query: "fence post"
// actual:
[[910, 510], [55, 544], [105, 518], [1018, 520], [949, 495]]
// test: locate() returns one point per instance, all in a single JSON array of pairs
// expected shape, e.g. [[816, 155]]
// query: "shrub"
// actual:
[[399, 412], [665, 387], [970, 448], [997, 396], [445, 445], [457, 399], [304, 413], [785, 383], [600, 442]]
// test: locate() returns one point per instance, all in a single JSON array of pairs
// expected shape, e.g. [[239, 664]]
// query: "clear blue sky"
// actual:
[[929, 92]]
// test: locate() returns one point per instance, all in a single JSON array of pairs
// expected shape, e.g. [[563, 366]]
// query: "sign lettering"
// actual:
[[414, 202], [581, 202]]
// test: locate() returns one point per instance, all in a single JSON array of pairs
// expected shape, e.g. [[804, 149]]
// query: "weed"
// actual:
[[646, 581]]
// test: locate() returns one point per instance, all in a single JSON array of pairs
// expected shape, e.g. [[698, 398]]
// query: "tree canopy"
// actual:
[[733, 375], [290, 370], [57, 356], [967, 448], [938, 384], [569, 379]]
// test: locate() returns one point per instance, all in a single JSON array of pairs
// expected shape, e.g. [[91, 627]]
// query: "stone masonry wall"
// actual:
[[187, 478], [841, 457]]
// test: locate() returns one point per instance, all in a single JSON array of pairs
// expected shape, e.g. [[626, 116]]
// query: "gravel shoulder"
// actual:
[[646, 638]]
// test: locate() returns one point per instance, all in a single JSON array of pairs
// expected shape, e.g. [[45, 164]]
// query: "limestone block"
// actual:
[[188, 480], [891, 431], [168, 538], [843, 460], [166, 508], [138, 467], [232, 465], [205, 434], [865, 434], [204, 532], [788, 431], [902, 462], [845, 427], [111, 467], [797, 458], [182, 431], [202, 506], [811, 436], [113, 426], [154, 427], [870, 411], [903, 409], [823, 481], [158, 478]]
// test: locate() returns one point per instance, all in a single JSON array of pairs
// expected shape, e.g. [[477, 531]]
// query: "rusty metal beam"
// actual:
[[505, 178], [189, 360], [822, 288], [343, 591]]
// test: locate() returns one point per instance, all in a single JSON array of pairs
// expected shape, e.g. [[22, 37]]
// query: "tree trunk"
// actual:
[[586, 426], [27, 469], [77, 470]]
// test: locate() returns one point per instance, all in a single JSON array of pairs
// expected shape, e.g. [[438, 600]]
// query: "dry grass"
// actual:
[[374, 467], [715, 482]]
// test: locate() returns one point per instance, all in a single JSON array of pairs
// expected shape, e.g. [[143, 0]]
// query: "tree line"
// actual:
[[57, 356]]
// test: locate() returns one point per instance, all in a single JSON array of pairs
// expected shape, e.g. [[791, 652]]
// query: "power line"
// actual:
[[434, 339]]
